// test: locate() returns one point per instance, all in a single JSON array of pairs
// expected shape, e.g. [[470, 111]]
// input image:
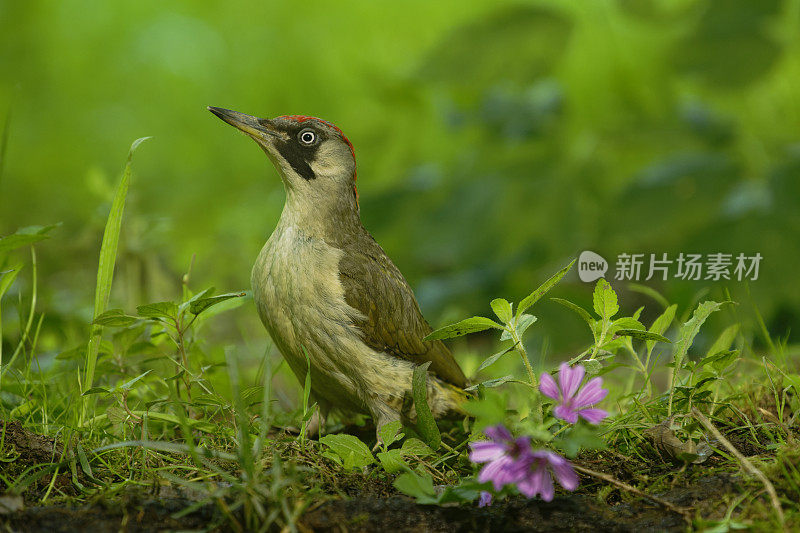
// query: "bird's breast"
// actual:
[[301, 301]]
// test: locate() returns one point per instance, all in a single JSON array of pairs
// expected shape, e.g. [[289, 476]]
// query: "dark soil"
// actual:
[[367, 509]]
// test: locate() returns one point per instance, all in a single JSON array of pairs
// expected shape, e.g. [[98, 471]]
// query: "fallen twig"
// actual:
[[746, 464], [685, 512]]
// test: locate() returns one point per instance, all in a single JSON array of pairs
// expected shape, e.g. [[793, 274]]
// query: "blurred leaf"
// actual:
[[417, 486], [24, 237], [468, 325], [493, 358], [642, 335], [661, 324], [583, 313], [534, 297], [724, 341], [200, 305], [115, 318]]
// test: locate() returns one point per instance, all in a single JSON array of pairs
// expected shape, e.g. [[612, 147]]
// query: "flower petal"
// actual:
[[593, 416], [485, 499], [564, 472], [564, 412], [500, 472], [534, 481], [548, 387], [590, 394], [570, 379], [483, 451], [498, 433]]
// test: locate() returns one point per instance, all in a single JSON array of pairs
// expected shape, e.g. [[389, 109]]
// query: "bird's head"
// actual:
[[314, 158]]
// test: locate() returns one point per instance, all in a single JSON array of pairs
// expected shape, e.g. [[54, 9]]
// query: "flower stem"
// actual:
[[537, 402]]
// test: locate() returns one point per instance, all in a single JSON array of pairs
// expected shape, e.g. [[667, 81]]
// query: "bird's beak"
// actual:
[[253, 126]]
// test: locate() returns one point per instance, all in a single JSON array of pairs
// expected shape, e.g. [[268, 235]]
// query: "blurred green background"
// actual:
[[494, 140]]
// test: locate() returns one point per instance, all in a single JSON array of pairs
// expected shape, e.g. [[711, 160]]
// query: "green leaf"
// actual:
[[390, 433], [592, 366], [533, 297], [426, 425], [502, 308], [627, 322], [642, 335], [661, 324], [353, 452], [168, 310], [392, 461], [105, 267], [583, 313], [200, 305], [525, 321], [128, 384], [24, 237], [724, 341], [721, 360], [686, 336], [488, 411], [468, 325], [605, 300], [415, 447], [493, 359], [96, 390], [115, 318], [416, 486], [491, 383], [579, 437]]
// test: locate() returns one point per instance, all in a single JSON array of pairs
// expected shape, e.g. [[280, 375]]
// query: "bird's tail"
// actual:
[[447, 400]]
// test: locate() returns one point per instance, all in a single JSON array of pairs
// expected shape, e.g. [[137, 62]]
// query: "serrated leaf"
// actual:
[[390, 433], [426, 425], [642, 335], [592, 366], [416, 447], [628, 322], [493, 359], [468, 325], [392, 461], [583, 313], [168, 310], [533, 297], [604, 300], [350, 449], [115, 318], [201, 304], [502, 308]]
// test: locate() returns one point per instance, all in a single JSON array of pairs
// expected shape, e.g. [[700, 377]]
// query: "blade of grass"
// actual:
[[105, 274]]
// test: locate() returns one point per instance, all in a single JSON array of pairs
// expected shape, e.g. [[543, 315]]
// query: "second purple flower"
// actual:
[[574, 401]]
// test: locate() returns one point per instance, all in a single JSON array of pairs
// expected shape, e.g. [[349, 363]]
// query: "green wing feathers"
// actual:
[[393, 323]]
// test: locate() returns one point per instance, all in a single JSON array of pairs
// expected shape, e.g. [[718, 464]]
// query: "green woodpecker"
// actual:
[[324, 287]]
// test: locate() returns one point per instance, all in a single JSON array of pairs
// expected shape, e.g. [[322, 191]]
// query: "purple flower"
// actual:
[[574, 402], [485, 499], [505, 457], [512, 461], [538, 479]]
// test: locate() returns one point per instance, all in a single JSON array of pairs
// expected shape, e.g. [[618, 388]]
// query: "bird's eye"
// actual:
[[307, 137]]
